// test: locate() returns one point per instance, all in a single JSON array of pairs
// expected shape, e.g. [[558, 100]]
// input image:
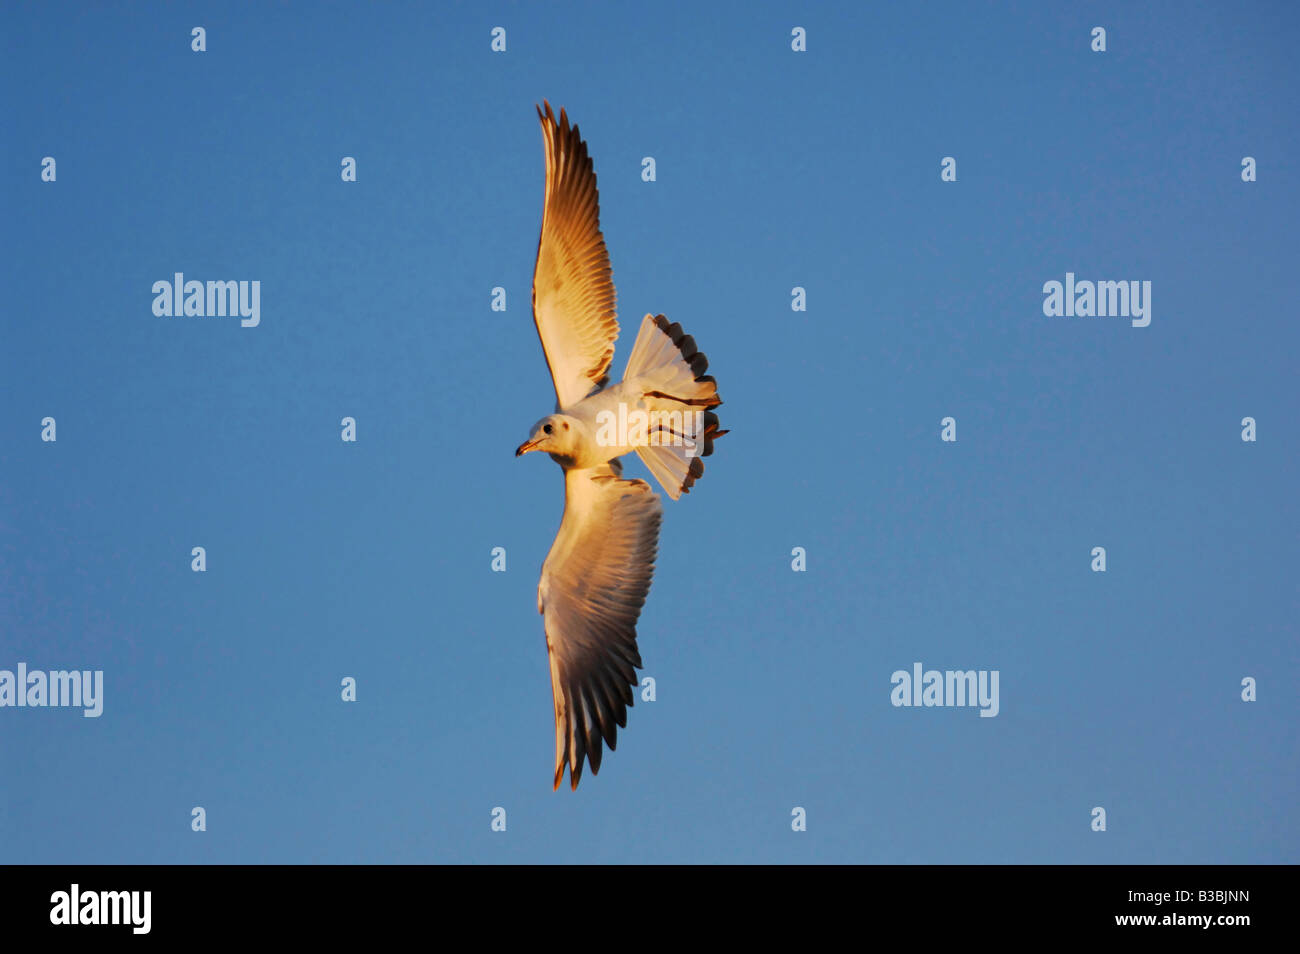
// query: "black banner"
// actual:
[[333, 903]]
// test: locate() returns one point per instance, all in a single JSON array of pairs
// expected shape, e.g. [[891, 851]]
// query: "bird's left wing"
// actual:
[[593, 585], [573, 290]]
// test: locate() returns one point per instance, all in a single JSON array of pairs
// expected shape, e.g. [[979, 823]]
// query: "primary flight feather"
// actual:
[[597, 574]]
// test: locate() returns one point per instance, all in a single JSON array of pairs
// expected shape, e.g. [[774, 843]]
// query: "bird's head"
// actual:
[[556, 434]]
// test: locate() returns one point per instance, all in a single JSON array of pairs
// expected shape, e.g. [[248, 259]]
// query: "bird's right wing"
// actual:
[[593, 585], [573, 290]]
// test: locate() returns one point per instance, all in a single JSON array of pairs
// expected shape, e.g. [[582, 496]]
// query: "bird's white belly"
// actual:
[[611, 424]]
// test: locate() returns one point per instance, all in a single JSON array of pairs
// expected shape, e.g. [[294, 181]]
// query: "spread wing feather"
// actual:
[[593, 585], [573, 289]]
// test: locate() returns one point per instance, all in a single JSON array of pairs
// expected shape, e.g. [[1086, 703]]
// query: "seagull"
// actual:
[[597, 574]]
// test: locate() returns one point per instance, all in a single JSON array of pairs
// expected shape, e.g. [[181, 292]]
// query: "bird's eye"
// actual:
[[547, 428]]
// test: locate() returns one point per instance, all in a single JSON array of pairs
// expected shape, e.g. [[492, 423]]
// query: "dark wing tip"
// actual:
[[694, 471]]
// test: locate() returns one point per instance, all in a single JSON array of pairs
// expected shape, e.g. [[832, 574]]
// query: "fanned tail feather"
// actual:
[[668, 371]]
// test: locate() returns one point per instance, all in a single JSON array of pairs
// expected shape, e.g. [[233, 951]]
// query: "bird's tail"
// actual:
[[667, 373]]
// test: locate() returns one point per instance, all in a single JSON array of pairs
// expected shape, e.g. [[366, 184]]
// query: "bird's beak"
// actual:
[[526, 446]]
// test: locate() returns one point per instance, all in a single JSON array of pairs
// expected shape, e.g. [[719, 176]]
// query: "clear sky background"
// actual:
[[775, 169]]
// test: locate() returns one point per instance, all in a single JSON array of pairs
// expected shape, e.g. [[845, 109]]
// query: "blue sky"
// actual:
[[775, 169]]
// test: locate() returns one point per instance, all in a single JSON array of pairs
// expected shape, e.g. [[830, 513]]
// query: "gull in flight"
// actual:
[[596, 577]]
